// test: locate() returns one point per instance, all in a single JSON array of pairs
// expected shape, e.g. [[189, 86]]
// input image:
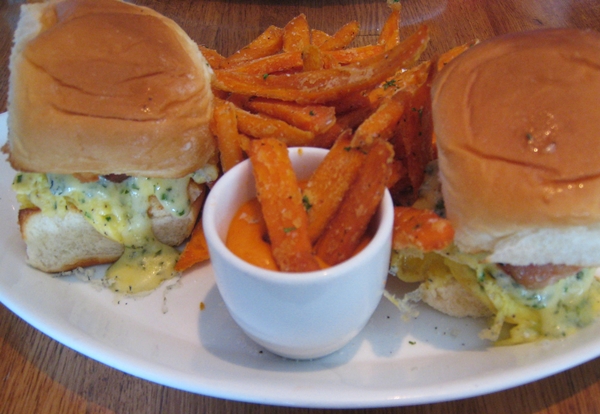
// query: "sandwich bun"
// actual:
[[103, 86], [517, 123]]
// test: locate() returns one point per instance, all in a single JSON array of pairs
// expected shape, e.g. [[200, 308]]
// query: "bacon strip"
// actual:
[[539, 276]]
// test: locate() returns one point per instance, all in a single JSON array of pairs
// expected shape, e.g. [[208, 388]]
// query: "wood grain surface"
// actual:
[[37, 374]]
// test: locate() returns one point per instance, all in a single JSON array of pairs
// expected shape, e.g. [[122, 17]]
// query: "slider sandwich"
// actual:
[[108, 117], [517, 122]]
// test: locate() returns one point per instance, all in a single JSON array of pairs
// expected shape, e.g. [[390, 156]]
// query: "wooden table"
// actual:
[[37, 374]]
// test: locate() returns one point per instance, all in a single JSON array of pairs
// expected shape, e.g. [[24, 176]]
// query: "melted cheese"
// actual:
[[528, 314], [120, 212]]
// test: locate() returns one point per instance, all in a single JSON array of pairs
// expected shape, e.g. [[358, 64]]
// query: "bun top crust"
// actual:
[[517, 121], [103, 86]]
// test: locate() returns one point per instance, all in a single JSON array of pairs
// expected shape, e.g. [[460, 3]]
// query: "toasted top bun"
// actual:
[[517, 120], [103, 86]]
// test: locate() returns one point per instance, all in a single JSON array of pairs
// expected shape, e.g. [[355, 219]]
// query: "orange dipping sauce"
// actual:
[[248, 237]]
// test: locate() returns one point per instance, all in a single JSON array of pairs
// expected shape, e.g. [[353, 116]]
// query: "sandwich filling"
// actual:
[[120, 210]]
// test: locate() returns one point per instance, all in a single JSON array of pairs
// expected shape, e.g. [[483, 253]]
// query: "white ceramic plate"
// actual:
[[166, 338]]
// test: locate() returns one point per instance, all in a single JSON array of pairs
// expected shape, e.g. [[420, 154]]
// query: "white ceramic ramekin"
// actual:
[[295, 315]]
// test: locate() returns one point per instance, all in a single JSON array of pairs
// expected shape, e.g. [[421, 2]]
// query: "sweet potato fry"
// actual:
[[351, 102], [389, 36], [398, 172], [343, 37], [296, 34], [326, 187], [280, 62], [422, 229], [238, 100], [318, 37], [328, 138], [343, 233], [213, 57], [329, 84], [267, 43], [350, 120], [195, 251], [416, 135], [224, 127], [281, 202], [448, 56], [245, 143], [383, 122], [356, 54], [262, 126], [312, 58], [314, 118], [408, 80], [354, 118]]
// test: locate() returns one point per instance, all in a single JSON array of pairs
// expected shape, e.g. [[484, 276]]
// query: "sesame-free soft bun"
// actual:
[[517, 121], [102, 87]]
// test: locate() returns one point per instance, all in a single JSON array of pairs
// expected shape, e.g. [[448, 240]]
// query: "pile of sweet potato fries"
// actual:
[[298, 86]]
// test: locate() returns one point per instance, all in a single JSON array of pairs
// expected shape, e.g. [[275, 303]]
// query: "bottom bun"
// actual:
[[57, 244], [448, 296]]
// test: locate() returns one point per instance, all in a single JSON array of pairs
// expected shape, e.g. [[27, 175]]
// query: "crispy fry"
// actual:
[[224, 127], [281, 62], [296, 34], [245, 143], [195, 251], [268, 43], [422, 229], [394, 4], [390, 33], [328, 138], [278, 192], [262, 126], [312, 58], [350, 120], [354, 118], [315, 118], [416, 135], [408, 80], [318, 37], [329, 84], [213, 57], [238, 100], [330, 61], [356, 54], [343, 233], [383, 122], [398, 172], [446, 57], [326, 187], [342, 37], [352, 102]]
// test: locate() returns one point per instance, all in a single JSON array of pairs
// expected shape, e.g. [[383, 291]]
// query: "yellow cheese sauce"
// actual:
[[118, 210], [142, 269]]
